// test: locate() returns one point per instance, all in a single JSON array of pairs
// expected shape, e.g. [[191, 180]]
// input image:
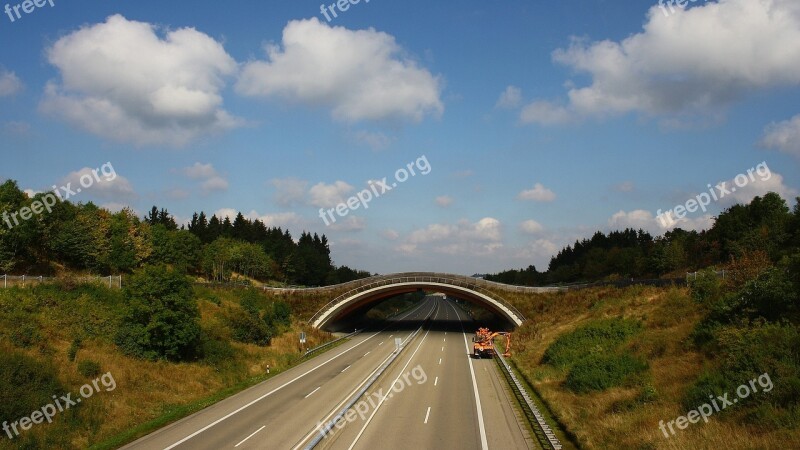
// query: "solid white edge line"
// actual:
[[336, 409], [229, 415], [481, 426], [391, 386], [237, 411], [248, 437]]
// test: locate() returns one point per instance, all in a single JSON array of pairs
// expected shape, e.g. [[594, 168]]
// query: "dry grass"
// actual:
[[612, 418], [145, 390]]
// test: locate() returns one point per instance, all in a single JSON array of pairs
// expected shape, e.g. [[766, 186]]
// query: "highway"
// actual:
[[441, 399]]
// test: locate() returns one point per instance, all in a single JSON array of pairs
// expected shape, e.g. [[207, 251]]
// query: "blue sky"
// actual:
[[541, 121]]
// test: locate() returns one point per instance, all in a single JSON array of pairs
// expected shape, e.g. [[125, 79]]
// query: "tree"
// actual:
[[161, 319], [179, 248], [129, 240], [199, 226], [162, 217]]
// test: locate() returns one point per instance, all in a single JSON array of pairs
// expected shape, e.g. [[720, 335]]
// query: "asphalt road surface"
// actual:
[[441, 398]]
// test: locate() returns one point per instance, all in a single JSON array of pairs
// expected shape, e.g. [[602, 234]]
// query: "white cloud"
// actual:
[[222, 213], [10, 84], [349, 224], [116, 207], [760, 185], [539, 193], [210, 179], [374, 140], [463, 238], [545, 113], [783, 136], [283, 220], [637, 219], [390, 235], [510, 98], [645, 220], [695, 62], [444, 201], [360, 75], [433, 232], [122, 81], [540, 249], [328, 195], [113, 187], [200, 171], [214, 184], [486, 229], [531, 227], [289, 190]]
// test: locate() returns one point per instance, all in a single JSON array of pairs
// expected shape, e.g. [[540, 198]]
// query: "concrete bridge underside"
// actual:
[[372, 291]]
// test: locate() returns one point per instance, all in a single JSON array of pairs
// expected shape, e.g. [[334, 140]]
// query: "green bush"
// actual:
[[747, 353], [216, 351], [602, 371], [709, 383], [26, 384], [773, 296], [252, 301], [162, 318], [88, 368], [278, 317], [247, 327], [598, 337], [707, 287]]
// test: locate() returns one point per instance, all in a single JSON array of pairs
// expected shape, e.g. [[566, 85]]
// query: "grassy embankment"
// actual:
[[612, 363], [54, 338]]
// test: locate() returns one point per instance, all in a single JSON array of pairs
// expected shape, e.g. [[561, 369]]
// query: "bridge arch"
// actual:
[[373, 289]]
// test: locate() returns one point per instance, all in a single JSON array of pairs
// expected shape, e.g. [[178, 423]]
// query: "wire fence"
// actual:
[[112, 281]]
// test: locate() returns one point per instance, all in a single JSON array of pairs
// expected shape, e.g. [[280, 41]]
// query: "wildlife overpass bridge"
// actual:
[[355, 295]]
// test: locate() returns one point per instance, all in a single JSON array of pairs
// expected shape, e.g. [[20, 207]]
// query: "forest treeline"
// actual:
[[765, 226], [85, 237]]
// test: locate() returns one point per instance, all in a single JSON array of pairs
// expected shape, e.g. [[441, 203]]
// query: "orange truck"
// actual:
[[483, 343]]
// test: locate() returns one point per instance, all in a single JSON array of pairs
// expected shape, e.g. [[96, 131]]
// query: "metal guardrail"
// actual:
[[321, 346], [385, 280], [545, 434], [113, 280], [332, 422]]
